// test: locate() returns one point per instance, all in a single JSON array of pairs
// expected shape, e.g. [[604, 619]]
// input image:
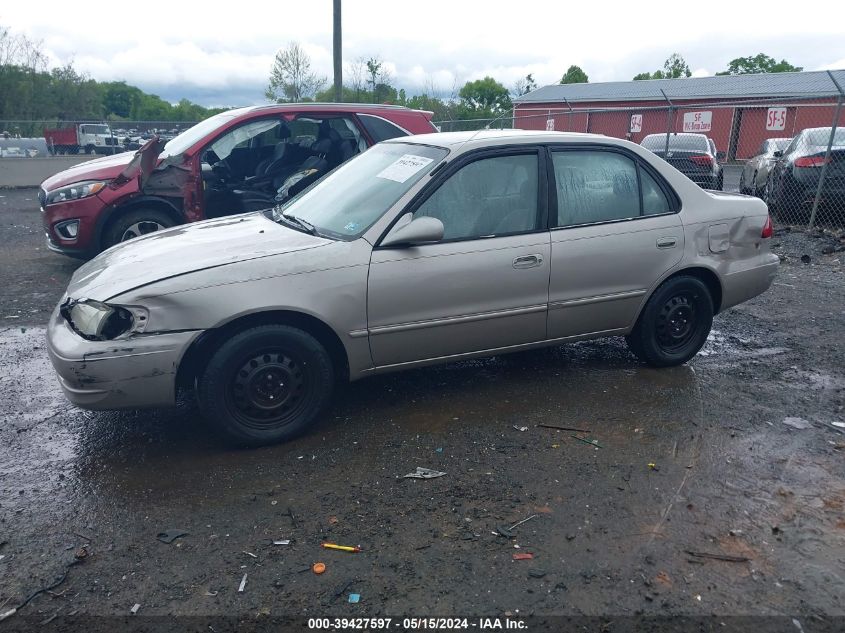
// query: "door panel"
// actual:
[[600, 274], [618, 235], [456, 297]]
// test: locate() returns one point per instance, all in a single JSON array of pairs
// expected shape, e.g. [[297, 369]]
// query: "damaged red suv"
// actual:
[[237, 161]]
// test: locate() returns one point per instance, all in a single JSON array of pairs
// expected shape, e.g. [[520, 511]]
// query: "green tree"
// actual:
[[760, 63], [675, 67], [291, 78], [485, 97], [574, 75], [525, 85]]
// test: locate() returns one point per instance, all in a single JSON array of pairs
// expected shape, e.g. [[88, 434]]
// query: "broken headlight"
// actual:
[[75, 191], [97, 321]]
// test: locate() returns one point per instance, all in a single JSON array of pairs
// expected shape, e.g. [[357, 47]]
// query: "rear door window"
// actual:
[[380, 129], [594, 186]]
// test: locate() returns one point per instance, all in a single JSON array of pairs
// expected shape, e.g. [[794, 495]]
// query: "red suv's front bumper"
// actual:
[[59, 219]]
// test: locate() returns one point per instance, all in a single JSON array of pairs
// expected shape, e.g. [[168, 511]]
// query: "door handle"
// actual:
[[527, 261], [666, 242]]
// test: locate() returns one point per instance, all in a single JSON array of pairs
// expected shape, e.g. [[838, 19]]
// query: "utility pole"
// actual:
[[338, 54]]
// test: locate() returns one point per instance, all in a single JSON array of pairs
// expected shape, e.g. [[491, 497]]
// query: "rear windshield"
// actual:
[[822, 136], [657, 142]]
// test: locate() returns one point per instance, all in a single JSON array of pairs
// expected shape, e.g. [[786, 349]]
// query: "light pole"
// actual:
[[338, 54]]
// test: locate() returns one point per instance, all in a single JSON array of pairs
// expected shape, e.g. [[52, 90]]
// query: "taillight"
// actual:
[[768, 229], [810, 161], [703, 159]]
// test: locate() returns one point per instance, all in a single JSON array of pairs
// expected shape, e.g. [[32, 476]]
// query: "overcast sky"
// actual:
[[220, 53]]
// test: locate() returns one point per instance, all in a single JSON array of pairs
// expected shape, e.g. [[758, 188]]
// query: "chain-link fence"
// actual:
[[789, 151], [49, 137]]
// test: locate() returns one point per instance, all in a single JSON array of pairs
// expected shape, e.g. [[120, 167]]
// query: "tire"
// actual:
[[754, 191], [89, 149], [720, 182], [674, 324], [265, 385], [742, 187], [134, 224]]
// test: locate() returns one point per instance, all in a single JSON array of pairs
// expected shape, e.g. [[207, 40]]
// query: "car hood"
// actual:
[[119, 168], [185, 249]]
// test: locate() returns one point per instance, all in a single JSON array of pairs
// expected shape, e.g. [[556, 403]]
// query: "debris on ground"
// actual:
[[169, 536], [318, 568], [250, 554], [242, 585], [724, 557], [354, 598], [522, 429], [536, 573], [588, 440], [343, 548], [798, 423], [424, 473], [563, 428], [653, 466], [805, 259], [282, 542], [523, 556], [135, 607]]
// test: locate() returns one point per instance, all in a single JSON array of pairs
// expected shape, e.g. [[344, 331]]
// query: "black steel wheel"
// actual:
[[674, 323], [266, 384]]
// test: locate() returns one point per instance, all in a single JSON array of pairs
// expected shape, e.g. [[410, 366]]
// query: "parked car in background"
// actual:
[[82, 138], [422, 250], [794, 180], [755, 172], [230, 163], [694, 155]]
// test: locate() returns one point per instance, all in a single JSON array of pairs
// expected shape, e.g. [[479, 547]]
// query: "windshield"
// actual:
[[349, 200], [194, 134], [95, 129], [657, 142]]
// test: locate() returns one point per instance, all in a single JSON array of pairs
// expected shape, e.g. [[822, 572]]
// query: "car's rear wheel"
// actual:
[[266, 385], [674, 324], [134, 224]]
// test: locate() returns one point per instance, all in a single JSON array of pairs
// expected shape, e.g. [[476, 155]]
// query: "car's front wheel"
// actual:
[[674, 324], [134, 224], [266, 385]]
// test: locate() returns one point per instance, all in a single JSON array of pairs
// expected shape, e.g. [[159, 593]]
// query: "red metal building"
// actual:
[[738, 112]]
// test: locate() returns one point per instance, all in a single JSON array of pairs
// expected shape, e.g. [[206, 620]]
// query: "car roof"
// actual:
[[323, 107], [495, 137]]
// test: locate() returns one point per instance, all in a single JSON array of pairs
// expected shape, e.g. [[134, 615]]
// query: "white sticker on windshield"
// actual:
[[404, 167]]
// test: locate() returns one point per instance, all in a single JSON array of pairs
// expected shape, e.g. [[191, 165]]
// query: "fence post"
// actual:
[[836, 114], [669, 121]]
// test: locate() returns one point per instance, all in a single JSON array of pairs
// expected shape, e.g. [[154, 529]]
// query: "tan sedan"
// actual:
[[422, 250]]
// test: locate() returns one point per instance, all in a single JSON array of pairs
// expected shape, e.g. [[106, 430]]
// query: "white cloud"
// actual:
[[227, 48]]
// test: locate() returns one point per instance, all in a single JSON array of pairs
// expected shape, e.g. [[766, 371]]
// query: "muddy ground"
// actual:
[[741, 453]]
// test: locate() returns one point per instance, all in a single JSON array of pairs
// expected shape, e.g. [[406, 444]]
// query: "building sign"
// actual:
[[776, 119], [550, 125], [698, 121], [636, 123]]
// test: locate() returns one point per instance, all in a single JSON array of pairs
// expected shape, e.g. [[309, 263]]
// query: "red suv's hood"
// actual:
[[119, 167]]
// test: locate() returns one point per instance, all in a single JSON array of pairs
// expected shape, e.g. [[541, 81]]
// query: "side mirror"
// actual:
[[778, 153], [720, 155], [418, 231]]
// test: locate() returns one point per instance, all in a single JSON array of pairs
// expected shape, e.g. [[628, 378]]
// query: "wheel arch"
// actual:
[[200, 351], [705, 275], [149, 202]]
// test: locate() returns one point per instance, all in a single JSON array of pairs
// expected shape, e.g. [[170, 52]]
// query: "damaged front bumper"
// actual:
[[130, 373]]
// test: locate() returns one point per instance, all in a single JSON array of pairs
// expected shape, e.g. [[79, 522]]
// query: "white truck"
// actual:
[[87, 138]]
